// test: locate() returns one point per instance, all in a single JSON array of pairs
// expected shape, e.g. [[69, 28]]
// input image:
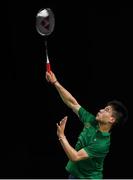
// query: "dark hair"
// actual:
[[120, 111]]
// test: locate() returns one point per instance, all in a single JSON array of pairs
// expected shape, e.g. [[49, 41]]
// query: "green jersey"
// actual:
[[96, 143]]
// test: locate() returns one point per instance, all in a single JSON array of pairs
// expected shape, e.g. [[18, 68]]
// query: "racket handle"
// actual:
[[48, 67]]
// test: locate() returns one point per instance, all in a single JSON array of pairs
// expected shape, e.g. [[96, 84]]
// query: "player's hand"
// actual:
[[61, 127], [50, 77]]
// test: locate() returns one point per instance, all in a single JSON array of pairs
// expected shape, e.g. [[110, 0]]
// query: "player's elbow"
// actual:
[[79, 158], [74, 159]]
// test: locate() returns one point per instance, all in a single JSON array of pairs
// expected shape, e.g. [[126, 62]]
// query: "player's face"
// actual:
[[105, 115]]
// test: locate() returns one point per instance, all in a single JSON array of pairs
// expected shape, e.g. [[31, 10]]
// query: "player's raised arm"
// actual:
[[67, 98]]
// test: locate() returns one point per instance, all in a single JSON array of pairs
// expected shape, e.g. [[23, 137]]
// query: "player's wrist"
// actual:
[[54, 82], [61, 137]]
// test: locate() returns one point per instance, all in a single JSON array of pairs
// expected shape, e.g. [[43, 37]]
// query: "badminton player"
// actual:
[[86, 159]]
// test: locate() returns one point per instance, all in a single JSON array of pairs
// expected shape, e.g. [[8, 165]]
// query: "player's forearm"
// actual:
[[71, 153], [67, 98]]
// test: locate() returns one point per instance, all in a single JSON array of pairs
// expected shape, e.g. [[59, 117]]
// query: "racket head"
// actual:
[[45, 21]]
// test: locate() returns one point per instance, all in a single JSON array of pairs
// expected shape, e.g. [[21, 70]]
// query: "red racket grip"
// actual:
[[48, 67]]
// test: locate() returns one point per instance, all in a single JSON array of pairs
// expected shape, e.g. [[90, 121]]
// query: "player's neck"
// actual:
[[104, 127]]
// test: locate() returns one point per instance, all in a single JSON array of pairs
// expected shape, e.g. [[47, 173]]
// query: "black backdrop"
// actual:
[[91, 53]]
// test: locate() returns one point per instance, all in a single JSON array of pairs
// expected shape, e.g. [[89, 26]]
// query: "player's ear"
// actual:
[[112, 119]]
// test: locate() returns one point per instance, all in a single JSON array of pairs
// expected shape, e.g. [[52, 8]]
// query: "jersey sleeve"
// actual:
[[85, 116]]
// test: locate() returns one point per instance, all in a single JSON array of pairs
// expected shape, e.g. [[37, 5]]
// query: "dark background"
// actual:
[[91, 54]]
